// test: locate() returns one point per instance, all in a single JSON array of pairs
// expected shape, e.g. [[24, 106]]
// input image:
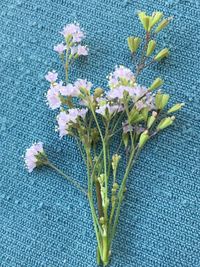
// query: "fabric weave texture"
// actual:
[[44, 221]]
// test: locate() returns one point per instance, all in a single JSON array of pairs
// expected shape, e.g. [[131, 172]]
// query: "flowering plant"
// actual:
[[133, 112]]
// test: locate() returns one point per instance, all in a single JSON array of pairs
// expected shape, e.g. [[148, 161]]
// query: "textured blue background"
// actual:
[[43, 220]]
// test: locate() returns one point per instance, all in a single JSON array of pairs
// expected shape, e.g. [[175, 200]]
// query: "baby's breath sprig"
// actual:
[[95, 116]]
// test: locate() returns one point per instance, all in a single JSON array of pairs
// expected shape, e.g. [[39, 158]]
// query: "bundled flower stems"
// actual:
[[97, 117]]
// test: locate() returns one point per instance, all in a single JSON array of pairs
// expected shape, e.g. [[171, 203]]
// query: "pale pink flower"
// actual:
[[51, 76], [147, 102], [53, 97], [74, 113], [150, 102], [82, 50], [109, 108], [69, 90], [65, 119], [140, 105], [31, 155], [120, 73], [117, 92], [83, 112], [74, 31], [59, 48], [102, 110], [137, 91], [62, 120]]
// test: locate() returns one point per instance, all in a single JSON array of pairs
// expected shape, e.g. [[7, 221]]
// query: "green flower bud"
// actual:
[[98, 92], [158, 100], [150, 48], [133, 43], [144, 20], [165, 100], [130, 41], [157, 83], [144, 137], [163, 24], [166, 122], [162, 54], [155, 18], [161, 100], [151, 120], [176, 107]]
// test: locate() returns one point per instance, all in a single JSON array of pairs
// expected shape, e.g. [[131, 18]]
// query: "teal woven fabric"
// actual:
[[44, 221]]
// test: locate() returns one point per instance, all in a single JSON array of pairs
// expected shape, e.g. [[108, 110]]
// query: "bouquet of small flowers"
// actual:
[[94, 117]]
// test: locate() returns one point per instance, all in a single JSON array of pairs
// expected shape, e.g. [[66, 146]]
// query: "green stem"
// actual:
[[120, 194], [80, 149], [104, 152], [72, 181], [105, 252], [93, 212], [127, 113], [141, 64], [112, 214]]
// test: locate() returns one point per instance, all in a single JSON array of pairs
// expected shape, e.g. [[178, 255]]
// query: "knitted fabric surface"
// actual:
[[44, 221]]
